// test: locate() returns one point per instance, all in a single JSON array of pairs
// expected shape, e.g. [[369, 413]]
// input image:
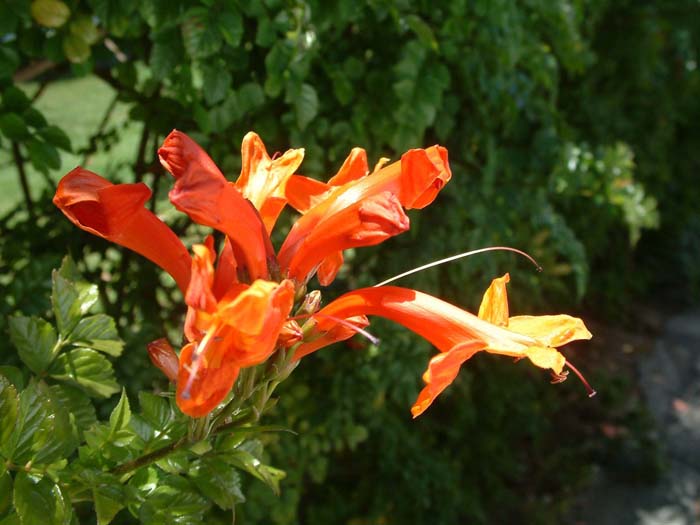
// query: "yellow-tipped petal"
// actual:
[[494, 305], [550, 330], [546, 357]]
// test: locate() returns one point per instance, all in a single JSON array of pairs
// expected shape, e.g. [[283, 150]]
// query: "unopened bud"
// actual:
[[164, 358], [311, 303], [290, 334]]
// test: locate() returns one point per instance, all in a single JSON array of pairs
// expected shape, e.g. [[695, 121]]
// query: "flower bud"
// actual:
[[311, 303], [164, 358], [290, 334]]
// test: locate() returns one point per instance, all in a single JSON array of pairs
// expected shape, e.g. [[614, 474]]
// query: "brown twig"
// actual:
[[19, 164]]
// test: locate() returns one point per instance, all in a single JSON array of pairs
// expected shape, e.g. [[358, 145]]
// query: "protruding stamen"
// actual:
[[460, 256], [196, 361], [373, 339], [590, 390]]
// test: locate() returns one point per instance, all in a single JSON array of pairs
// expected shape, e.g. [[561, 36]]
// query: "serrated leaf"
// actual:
[[231, 27], [38, 501], [217, 481], [306, 105], [45, 432], [50, 13], [70, 299], [98, 332], [216, 82], [174, 501], [108, 493], [35, 340], [120, 416], [155, 410], [13, 126], [78, 405], [247, 457], [87, 369], [9, 412]]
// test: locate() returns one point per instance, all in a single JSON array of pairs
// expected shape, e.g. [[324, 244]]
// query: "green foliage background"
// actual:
[[572, 128]]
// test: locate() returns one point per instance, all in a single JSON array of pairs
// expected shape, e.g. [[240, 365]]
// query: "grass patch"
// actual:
[[78, 106]]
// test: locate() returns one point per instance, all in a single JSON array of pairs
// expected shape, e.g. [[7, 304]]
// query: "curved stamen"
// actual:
[[460, 256], [590, 390], [372, 338]]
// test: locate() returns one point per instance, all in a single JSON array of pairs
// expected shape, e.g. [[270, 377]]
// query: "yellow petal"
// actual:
[[550, 330], [546, 357], [494, 305]]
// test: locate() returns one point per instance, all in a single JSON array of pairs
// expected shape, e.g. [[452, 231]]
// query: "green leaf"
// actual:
[[76, 49], [174, 501], [98, 332], [306, 105], [50, 13], [246, 457], [217, 481], [78, 405], [14, 375], [56, 137], [120, 416], [83, 27], [14, 99], [35, 340], [70, 298], [34, 118], [422, 30], [43, 155], [5, 492], [87, 369], [166, 54], [107, 492], [10, 519], [231, 27], [155, 410], [38, 501], [9, 412], [216, 82], [9, 62], [45, 433], [251, 96], [13, 126], [200, 35]]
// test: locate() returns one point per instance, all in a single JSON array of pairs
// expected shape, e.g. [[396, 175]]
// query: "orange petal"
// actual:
[[199, 293], [255, 317], [226, 271], [329, 268], [116, 213], [423, 174], [303, 193], [546, 357], [330, 331], [442, 370], [494, 305], [262, 180], [363, 223], [550, 330], [203, 381], [202, 192], [355, 167]]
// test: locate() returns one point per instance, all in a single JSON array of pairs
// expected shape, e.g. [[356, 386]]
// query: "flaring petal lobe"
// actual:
[[494, 305]]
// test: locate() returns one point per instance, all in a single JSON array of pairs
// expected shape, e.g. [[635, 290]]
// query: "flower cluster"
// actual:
[[246, 301]]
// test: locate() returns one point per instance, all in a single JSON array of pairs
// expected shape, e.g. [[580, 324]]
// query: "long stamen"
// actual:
[[372, 338], [590, 390], [201, 346], [460, 256]]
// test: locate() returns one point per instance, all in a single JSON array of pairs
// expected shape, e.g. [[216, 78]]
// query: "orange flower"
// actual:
[[116, 212], [263, 180], [202, 192], [228, 329], [355, 209], [457, 333]]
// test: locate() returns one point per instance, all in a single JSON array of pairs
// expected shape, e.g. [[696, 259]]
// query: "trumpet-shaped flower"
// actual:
[[457, 333]]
